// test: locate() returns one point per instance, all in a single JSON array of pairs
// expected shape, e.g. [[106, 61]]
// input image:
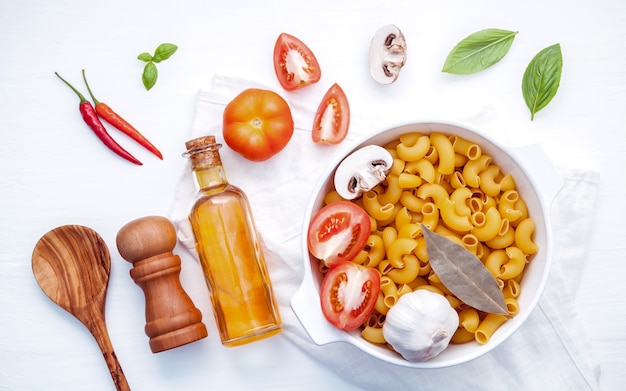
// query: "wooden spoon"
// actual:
[[72, 264]]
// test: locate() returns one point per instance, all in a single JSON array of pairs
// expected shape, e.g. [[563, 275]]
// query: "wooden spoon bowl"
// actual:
[[72, 264]]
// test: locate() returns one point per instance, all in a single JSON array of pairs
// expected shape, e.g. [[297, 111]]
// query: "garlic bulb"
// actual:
[[420, 325]]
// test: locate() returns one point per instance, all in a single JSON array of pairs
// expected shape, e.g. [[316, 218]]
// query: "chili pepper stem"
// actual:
[[95, 101], [82, 98]]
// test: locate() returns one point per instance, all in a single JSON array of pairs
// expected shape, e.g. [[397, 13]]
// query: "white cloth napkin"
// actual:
[[549, 352]]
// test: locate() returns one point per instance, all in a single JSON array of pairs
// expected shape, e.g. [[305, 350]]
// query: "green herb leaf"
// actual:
[[542, 78], [145, 57], [164, 51], [463, 274], [479, 51], [150, 75]]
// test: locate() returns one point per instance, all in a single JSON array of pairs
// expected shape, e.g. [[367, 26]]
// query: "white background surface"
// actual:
[[53, 171]]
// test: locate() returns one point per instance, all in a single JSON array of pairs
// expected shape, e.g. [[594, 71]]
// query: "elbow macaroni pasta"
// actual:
[[412, 148], [523, 236], [407, 180], [449, 185], [409, 200], [392, 192], [460, 196], [452, 219], [373, 334], [469, 319], [410, 230], [465, 148], [488, 326], [423, 168], [488, 182], [486, 225], [507, 207], [407, 273], [515, 264], [399, 249], [472, 169], [445, 152], [435, 192], [374, 208], [376, 251], [430, 216]]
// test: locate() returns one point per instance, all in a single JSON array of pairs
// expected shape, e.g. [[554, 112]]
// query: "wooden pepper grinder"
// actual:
[[172, 319]]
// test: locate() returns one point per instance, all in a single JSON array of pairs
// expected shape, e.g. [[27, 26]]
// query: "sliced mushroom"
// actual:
[[387, 54], [360, 171]]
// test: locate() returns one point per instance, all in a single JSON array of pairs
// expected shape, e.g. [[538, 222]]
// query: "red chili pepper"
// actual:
[[91, 118], [120, 123]]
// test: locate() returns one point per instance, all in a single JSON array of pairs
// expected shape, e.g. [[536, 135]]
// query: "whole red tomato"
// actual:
[[257, 124]]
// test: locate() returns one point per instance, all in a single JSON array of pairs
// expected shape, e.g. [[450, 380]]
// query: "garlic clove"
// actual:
[[420, 325]]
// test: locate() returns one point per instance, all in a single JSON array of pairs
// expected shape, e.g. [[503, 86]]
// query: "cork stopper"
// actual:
[[203, 152]]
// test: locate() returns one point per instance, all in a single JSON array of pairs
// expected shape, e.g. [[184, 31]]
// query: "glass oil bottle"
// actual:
[[230, 253]]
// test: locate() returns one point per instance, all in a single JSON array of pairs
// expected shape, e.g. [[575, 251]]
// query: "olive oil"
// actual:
[[230, 253]]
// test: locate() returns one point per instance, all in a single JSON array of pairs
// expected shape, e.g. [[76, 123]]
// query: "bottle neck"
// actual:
[[206, 162], [210, 177]]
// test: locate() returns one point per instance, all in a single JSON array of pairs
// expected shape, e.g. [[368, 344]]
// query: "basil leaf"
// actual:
[[164, 51], [150, 75], [542, 78], [463, 274], [479, 51], [145, 57]]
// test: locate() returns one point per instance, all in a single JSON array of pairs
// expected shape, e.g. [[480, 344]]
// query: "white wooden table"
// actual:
[[54, 172]]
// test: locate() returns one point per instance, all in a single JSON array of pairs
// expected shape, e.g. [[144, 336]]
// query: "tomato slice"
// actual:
[[348, 294], [338, 232], [294, 63], [332, 119]]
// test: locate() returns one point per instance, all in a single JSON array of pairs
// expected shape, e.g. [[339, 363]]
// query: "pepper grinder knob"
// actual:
[[172, 319]]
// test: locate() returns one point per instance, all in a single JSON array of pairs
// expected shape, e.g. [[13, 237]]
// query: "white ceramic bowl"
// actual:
[[537, 181]]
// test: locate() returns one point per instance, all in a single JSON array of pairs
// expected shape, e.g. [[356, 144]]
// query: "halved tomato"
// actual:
[[294, 63], [338, 232], [348, 294], [332, 118]]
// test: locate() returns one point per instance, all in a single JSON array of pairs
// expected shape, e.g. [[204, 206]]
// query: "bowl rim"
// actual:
[[544, 203]]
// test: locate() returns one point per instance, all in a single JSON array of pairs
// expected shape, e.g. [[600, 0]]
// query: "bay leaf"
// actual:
[[479, 51], [542, 78], [463, 274]]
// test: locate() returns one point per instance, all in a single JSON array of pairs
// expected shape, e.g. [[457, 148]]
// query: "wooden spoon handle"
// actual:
[[117, 374], [97, 326]]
